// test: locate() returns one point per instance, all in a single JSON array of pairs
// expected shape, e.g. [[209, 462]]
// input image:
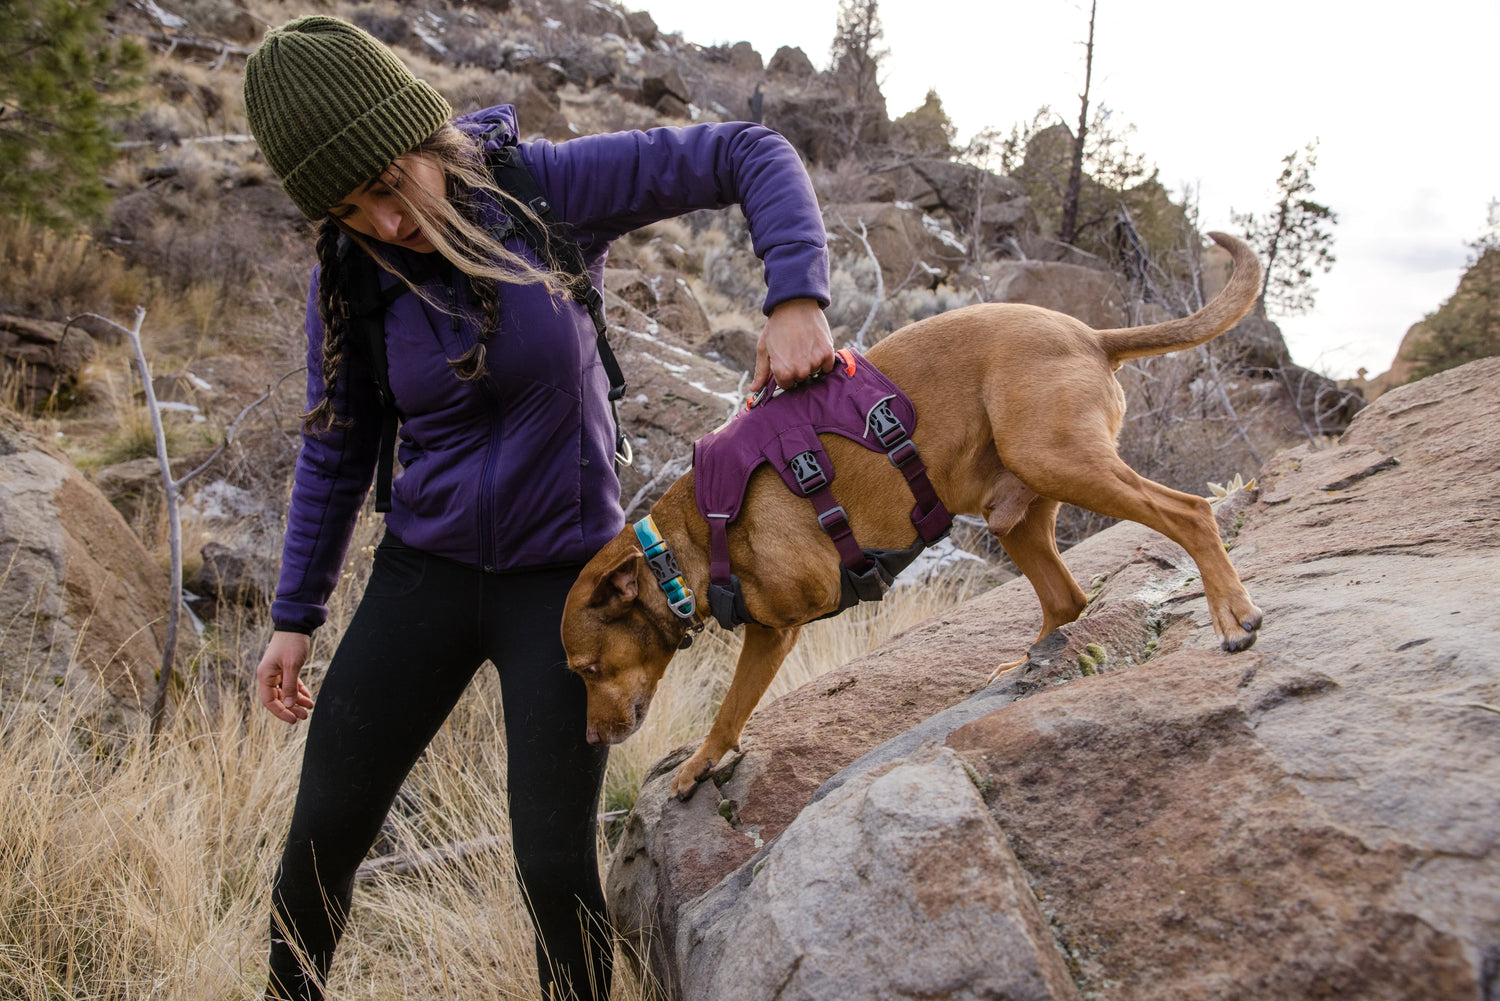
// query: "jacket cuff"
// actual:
[[297, 617], [796, 271]]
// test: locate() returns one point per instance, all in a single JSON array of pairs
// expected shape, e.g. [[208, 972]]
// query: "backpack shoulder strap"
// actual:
[[367, 302], [548, 237], [552, 242]]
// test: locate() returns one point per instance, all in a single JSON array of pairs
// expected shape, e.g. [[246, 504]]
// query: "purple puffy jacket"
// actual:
[[517, 470]]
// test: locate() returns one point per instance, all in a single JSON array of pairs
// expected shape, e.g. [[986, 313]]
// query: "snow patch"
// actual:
[[934, 561], [224, 501], [164, 18], [936, 229]]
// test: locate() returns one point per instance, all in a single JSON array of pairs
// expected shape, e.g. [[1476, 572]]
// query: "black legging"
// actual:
[[424, 626]]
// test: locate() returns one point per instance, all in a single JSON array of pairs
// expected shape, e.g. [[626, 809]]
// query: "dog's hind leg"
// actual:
[[1031, 543], [1094, 477], [760, 658]]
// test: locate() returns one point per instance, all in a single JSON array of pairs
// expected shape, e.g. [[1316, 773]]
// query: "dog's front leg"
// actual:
[[760, 658]]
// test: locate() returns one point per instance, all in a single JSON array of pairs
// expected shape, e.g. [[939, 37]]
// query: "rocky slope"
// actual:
[[1133, 814], [912, 232]]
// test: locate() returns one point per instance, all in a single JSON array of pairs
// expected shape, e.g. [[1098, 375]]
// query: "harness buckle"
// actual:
[[902, 454], [886, 426], [808, 471], [834, 521]]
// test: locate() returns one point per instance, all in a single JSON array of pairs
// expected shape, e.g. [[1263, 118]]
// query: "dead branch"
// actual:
[[234, 426], [863, 235]]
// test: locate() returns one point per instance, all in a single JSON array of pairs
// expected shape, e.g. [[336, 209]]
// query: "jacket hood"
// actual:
[[499, 121]]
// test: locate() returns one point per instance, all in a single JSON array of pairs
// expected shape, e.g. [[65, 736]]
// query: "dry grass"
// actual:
[[145, 873]]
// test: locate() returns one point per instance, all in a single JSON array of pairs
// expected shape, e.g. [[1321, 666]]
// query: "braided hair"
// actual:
[[333, 311]]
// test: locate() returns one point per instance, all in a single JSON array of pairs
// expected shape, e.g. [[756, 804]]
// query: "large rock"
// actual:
[[666, 299], [912, 247], [1311, 818], [791, 61], [43, 359], [674, 396], [1095, 297], [81, 601]]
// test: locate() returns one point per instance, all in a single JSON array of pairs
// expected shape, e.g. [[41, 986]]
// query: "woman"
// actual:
[[508, 484]]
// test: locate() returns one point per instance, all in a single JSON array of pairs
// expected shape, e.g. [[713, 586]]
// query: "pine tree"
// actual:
[[1292, 239], [62, 85]]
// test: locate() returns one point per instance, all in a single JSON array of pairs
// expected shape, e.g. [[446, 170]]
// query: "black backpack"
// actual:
[[367, 303]]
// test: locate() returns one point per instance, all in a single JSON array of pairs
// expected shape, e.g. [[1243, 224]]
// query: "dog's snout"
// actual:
[[592, 734]]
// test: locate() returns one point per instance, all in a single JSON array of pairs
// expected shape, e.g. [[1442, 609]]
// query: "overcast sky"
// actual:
[[1400, 97]]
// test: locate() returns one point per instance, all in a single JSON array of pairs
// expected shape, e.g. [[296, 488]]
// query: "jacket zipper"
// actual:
[[487, 491]]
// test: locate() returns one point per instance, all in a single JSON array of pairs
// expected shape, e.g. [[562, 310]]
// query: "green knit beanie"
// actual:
[[331, 107]]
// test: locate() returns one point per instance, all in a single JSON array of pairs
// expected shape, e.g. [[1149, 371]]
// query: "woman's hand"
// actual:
[[276, 682], [795, 344]]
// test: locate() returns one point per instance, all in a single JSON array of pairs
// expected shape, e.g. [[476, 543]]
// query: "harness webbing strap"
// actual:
[[718, 550], [834, 520], [930, 517], [368, 321], [857, 402]]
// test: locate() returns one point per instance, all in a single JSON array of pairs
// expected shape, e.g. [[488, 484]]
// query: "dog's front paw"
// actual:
[[693, 771], [1242, 630]]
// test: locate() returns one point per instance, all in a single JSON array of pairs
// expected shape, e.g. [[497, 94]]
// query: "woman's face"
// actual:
[[373, 209]]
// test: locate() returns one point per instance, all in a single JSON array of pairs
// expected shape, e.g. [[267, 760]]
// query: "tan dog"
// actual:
[[1018, 411]]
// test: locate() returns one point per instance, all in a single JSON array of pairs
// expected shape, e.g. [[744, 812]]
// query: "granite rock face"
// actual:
[[1314, 817], [82, 603]]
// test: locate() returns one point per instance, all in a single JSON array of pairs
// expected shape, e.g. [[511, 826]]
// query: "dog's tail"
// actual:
[[1233, 302]]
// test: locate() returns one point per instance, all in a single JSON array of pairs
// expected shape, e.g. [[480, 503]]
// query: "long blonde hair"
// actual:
[[455, 228]]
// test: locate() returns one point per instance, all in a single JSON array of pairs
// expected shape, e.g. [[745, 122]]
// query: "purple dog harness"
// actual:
[[855, 401]]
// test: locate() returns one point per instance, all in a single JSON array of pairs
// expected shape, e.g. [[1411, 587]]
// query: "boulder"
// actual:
[[82, 602], [43, 359], [665, 298], [666, 82], [791, 61], [671, 106], [911, 246], [134, 487], [1310, 818], [744, 58], [237, 575], [642, 27], [1095, 297]]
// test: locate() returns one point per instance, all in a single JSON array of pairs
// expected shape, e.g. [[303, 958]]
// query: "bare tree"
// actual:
[[1068, 233], [172, 488], [855, 58]]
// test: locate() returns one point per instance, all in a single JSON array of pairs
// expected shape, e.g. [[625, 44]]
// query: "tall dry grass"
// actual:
[[145, 873]]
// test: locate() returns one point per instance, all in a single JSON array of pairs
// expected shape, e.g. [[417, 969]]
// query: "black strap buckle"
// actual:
[[664, 565], [808, 471], [886, 425]]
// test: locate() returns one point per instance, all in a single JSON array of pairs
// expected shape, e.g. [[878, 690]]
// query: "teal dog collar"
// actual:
[[668, 574]]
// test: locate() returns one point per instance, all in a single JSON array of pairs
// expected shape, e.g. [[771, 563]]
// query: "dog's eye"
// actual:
[[589, 670]]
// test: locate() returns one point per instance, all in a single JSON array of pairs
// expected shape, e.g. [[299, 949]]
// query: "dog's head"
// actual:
[[617, 638]]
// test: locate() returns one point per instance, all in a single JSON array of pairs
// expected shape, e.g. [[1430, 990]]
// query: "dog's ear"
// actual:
[[618, 589]]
